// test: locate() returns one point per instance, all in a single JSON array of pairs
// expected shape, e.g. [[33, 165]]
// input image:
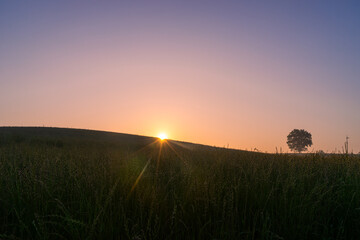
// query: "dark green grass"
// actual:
[[77, 184]]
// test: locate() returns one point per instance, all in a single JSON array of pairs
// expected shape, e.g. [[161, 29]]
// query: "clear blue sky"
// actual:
[[243, 73]]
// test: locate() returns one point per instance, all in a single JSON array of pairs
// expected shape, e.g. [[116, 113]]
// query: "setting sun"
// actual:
[[162, 136], [180, 119]]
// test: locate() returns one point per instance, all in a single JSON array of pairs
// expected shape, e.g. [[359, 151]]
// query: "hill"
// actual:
[[54, 135]]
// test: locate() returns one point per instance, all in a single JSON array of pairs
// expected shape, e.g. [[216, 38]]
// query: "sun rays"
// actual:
[[159, 149]]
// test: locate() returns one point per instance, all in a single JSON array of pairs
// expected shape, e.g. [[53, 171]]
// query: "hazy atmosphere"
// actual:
[[235, 73], [156, 120]]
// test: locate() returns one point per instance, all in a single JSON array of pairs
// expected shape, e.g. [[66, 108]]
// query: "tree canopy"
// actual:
[[299, 139]]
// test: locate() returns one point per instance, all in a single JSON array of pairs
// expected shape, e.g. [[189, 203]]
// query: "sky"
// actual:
[[239, 74]]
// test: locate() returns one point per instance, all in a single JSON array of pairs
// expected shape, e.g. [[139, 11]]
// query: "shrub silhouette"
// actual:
[[298, 140]]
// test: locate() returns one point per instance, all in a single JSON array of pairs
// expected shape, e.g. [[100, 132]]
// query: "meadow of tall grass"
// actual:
[[72, 184]]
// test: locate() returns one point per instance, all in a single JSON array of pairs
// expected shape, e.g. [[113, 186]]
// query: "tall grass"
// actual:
[[60, 188]]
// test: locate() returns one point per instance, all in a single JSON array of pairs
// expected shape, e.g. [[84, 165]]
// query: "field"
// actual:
[[80, 184]]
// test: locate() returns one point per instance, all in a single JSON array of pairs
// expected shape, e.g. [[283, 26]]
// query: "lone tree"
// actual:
[[298, 140]]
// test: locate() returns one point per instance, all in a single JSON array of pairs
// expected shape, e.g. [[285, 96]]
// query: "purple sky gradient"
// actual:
[[213, 72]]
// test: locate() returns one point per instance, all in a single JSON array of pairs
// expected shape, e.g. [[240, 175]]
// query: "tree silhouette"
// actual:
[[298, 140]]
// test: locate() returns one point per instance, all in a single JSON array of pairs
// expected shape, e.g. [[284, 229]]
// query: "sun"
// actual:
[[162, 136]]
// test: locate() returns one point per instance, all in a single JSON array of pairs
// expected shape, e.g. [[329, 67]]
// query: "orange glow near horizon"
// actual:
[[237, 75]]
